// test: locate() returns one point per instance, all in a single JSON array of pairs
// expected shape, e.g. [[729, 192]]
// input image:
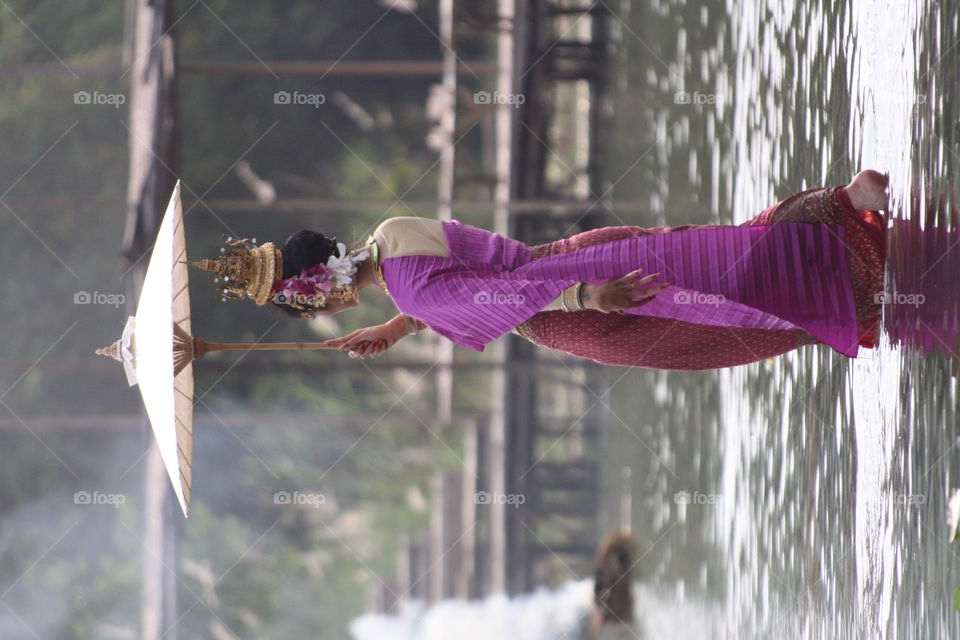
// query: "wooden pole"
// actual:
[[152, 160], [201, 347], [435, 577], [465, 586], [319, 206], [626, 500], [452, 534], [445, 191], [404, 569], [335, 68], [500, 381]]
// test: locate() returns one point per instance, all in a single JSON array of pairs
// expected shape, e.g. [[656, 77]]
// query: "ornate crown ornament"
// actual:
[[245, 270]]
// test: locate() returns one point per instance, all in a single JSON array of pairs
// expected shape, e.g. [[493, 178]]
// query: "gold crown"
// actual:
[[245, 269]]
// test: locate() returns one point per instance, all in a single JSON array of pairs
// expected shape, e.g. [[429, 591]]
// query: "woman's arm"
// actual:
[[612, 295], [372, 341]]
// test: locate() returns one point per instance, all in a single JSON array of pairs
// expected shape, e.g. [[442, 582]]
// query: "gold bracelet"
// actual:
[[413, 325], [569, 298]]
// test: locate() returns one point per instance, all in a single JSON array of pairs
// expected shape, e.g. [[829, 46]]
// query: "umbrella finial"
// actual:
[[110, 351], [205, 263]]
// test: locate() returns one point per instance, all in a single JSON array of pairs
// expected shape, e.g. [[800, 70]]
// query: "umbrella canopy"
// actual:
[[147, 351], [157, 350]]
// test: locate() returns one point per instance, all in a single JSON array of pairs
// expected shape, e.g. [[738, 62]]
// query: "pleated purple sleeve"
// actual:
[[474, 295]]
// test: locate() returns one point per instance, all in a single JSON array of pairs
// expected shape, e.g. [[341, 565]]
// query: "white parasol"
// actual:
[[146, 350], [157, 350]]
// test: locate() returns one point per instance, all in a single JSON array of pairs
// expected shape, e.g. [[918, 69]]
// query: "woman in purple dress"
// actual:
[[806, 270]]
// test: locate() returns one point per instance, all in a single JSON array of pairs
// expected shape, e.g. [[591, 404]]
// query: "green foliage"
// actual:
[[279, 570]]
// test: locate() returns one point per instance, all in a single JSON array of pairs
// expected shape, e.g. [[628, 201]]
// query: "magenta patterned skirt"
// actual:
[[663, 343]]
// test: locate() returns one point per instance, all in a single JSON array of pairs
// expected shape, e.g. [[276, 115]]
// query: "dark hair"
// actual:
[[303, 250]]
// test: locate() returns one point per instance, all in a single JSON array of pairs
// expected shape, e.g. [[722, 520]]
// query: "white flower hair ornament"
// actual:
[[310, 290]]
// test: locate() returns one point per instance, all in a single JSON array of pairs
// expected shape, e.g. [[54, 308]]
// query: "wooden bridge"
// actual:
[[525, 509]]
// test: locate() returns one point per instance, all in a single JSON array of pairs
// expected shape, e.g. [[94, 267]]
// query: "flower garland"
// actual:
[[313, 286]]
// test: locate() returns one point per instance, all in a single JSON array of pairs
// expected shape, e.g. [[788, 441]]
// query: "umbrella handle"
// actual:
[[187, 348], [201, 347]]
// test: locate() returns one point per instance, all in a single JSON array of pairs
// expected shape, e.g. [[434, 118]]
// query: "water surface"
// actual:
[[822, 481]]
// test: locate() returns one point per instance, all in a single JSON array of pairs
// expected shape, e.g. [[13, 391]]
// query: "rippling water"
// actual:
[[825, 479]]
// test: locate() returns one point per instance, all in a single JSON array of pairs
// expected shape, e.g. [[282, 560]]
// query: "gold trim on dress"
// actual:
[[523, 330], [375, 257]]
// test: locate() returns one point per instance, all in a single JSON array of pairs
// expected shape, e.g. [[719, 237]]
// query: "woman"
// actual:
[[806, 270]]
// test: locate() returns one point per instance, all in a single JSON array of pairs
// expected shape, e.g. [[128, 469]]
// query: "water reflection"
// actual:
[[923, 267], [830, 475]]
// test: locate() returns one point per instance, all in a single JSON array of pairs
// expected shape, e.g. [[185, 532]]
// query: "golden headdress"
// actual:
[[245, 270]]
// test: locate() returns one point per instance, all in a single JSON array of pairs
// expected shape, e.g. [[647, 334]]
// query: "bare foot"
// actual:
[[868, 190]]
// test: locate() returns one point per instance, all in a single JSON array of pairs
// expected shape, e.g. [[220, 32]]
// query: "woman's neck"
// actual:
[[364, 275]]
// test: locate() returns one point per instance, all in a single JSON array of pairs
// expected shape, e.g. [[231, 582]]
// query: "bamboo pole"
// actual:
[[186, 350], [201, 347]]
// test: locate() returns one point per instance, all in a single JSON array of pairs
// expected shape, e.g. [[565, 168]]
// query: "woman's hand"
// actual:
[[627, 292], [370, 341]]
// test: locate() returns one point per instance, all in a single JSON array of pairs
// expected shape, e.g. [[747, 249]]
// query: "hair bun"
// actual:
[[305, 249]]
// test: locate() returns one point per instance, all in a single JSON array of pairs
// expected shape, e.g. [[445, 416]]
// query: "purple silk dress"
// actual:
[[777, 277]]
